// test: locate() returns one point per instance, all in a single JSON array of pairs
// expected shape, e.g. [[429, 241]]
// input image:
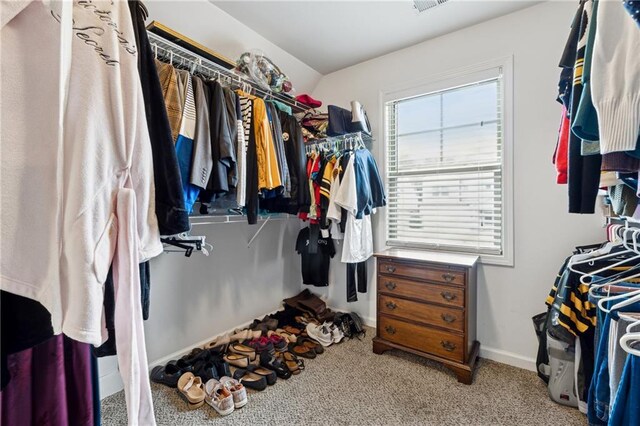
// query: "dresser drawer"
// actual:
[[449, 318], [450, 296], [438, 275], [425, 339]]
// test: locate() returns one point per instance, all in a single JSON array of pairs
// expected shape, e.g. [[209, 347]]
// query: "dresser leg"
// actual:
[[380, 347], [464, 376]]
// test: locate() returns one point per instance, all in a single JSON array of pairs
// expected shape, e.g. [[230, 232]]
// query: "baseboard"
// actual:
[[112, 383], [497, 355], [509, 358]]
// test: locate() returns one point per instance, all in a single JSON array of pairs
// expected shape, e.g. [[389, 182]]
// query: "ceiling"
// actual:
[[331, 35]]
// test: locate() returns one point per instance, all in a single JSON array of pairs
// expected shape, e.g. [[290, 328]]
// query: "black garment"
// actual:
[[24, 323], [230, 98], [344, 161], [296, 158], [316, 253], [173, 218], [221, 142], [356, 272], [251, 177]]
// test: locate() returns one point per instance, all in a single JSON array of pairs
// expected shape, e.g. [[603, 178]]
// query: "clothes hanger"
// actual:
[[631, 336]]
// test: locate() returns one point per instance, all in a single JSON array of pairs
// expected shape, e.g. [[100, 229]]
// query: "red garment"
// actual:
[[561, 155], [313, 168]]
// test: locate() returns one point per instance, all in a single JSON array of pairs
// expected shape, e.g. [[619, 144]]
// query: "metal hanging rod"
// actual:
[[181, 56], [350, 139]]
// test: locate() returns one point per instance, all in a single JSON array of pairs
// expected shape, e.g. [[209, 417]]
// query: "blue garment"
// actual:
[[626, 406], [598, 399], [184, 151], [369, 186], [599, 396], [633, 7]]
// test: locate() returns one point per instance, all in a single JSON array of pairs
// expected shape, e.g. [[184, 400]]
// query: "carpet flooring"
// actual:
[[350, 385]]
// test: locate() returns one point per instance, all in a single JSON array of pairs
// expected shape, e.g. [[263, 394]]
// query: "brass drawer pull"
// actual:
[[448, 277], [391, 269], [391, 305], [448, 296], [448, 318], [390, 330], [390, 285], [448, 346]]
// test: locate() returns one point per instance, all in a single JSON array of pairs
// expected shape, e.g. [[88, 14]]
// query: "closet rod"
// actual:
[[348, 137], [167, 49]]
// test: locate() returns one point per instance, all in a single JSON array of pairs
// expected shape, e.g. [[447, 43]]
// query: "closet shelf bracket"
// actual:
[[258, 231]]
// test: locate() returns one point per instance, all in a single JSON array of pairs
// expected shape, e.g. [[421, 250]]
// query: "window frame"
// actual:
[[456, 78]]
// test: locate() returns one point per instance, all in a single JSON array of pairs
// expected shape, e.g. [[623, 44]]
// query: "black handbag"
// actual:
[[351, 325], [339, 121]]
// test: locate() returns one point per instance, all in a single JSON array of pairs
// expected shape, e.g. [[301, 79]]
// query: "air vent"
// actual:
[[423, 5]]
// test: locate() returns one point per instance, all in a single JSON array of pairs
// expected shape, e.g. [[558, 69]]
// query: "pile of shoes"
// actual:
[[256, 357]]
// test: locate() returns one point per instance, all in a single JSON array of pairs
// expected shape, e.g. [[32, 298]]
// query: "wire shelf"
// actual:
[[184, 58]]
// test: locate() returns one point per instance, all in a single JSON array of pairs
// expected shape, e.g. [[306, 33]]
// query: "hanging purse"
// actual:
[[359, 119], [339, 121]]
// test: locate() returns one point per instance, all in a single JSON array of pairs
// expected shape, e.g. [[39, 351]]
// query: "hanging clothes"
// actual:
[[172, 216], [202, 163], [169, 82], [296, 159], [184, 144], [80, 182], [241, 155], [268, 171], [276, 133]]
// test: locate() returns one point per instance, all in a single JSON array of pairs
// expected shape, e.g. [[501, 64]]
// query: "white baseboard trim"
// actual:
[[112, 383], [497, 355], [509, 358]]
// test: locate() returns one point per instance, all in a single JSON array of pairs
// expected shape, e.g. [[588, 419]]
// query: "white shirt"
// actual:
[[615, 77], [58, 195], [358, 235]]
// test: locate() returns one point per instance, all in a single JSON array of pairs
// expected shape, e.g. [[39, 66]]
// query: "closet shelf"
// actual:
[[187, 59], [215, 219]]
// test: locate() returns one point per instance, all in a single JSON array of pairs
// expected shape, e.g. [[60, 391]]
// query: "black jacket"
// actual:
[[173, 218]]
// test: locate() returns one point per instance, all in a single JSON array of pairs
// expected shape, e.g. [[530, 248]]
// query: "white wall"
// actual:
[[193, 299], [544, 232], [216, 29], [196, 298]]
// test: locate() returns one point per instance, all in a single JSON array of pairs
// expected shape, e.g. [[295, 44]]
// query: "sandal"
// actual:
[[292, 330], [302, 350], [250, 380], [271, 376], [294, 364], [190, 389], [312, 344], [291, 338], [272, 363]]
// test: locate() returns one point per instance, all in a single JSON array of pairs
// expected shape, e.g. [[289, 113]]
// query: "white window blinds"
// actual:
[[444, 165]]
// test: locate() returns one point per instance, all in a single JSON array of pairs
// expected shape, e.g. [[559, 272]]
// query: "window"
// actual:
[[446, 167]]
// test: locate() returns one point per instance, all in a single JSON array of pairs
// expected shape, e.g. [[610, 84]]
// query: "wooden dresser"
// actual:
[[427, 306]]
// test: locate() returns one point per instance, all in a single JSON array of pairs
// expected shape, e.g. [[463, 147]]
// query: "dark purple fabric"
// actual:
[[50, 384]]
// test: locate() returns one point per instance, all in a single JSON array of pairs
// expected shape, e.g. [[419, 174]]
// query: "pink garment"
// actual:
[[132, 353]]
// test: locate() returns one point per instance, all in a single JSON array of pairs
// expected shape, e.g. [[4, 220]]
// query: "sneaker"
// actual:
[[219, 397], [336, 334], [320, 333], [238, 391]]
